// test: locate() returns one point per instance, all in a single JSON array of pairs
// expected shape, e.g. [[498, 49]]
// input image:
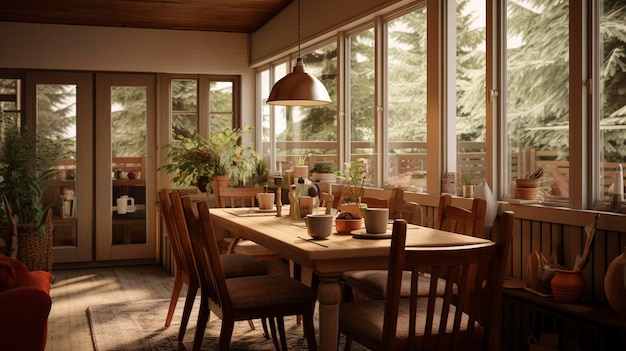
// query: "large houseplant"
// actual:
[[26, 160], [219, 155]]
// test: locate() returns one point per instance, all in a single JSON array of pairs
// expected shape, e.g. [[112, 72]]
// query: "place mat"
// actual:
[[252, 212], [362, 234]]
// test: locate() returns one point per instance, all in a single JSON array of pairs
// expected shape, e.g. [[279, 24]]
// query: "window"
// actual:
[[406, 96], [192, 111], [612, 114]]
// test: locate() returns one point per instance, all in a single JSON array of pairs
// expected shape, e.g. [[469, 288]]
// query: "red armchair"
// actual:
[[24, 306]]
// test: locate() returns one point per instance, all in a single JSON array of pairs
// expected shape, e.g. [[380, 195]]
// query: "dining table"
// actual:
[[328, 258]]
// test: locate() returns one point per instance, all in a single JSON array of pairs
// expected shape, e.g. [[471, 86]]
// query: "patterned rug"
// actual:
[[139, 326]]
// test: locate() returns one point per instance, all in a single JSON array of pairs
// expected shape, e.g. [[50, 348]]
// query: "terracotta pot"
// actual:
[[348, 225], [568, 286], [615, 284]]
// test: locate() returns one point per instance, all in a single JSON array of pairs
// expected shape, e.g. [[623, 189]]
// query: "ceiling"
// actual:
[[242, 16]]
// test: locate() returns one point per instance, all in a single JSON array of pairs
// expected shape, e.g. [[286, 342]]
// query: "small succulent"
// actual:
[[348, 215]]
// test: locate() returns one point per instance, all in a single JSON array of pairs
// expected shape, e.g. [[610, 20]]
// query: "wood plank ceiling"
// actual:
[[242, 16]]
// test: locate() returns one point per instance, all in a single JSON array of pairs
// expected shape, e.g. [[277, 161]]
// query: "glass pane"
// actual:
[[281, 121], [361, 87], [184, 107], [220, 106], [537, 94], [56, 116], [406, 98], [264, 77], [128, 150], [613, 103], [470, 90]]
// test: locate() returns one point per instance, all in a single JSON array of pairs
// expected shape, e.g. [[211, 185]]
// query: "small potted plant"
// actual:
[[347, 222], [323, 172], [353, 177], [418, 180], [300, 170], [468, 187]]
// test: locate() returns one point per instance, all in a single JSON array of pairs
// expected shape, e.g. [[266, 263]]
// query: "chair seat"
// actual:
[[240, 265], [372, 284], [260, 292], [367, 319]]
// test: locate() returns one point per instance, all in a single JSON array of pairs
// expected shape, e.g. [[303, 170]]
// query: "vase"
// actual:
[[218, 182], [568, 286], [615, 284], [468, 190], [202, 183]]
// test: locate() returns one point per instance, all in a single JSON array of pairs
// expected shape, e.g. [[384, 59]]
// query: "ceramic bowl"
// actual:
[[527, 193]]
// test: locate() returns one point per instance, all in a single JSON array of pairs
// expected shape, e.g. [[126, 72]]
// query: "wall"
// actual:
[[90, 48]]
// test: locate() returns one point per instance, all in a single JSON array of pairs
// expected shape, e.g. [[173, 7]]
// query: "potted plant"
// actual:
[[468, 187], [347, 222], [353, 177], [323, 172], [198, 159], [300, 170], [418, 179], [26, 164]]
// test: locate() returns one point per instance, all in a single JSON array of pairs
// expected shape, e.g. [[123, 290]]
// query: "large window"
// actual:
[[493, 98]]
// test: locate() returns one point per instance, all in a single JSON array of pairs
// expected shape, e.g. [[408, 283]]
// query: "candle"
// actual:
[[619, 183]]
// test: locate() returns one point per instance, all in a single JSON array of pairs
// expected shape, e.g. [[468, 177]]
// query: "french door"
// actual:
[[125, 203], [109, 121]]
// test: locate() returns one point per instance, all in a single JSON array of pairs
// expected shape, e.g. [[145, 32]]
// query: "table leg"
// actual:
[[329, 297]]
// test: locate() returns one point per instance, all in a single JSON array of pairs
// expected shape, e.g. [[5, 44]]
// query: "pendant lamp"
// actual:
[[299, 88]]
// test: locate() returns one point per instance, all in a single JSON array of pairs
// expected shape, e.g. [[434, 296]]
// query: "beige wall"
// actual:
[[90, 48]]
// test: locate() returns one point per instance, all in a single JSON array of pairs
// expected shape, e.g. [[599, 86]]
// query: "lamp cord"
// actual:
[[299, 23]]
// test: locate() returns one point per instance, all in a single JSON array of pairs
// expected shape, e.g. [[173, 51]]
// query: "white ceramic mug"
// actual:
[[319, 226], [376, 220], [265, 200], [124, 204]]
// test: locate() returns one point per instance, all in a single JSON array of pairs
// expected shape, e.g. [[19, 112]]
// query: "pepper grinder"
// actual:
[[278, 181]]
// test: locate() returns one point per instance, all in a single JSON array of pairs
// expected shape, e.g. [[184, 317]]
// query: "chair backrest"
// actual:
[[375, 202], [180, 245], [410, 211], [459, 220], [239, 197], [466, 316], [205, 254]]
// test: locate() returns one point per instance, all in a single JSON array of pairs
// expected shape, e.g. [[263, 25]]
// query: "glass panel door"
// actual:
[[125, 128], [63, 109]]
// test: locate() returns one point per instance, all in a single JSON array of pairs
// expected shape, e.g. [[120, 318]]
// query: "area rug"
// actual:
[[139, 326]]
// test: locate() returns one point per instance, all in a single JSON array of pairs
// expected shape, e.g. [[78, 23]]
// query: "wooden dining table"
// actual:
[[328, 258]]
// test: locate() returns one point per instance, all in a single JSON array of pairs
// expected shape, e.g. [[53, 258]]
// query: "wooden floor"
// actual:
[[76, 289]]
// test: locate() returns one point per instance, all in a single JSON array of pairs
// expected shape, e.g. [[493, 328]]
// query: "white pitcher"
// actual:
[[125, 204]]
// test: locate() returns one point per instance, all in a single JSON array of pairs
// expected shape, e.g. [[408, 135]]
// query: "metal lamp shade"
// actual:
[[299, 88]]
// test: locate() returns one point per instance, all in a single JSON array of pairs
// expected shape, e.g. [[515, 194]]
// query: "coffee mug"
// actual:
[[376, 220], [265, 200], [319, 226], [124, 204]]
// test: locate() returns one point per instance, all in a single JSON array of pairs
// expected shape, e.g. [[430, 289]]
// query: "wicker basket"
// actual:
[[33, 249]]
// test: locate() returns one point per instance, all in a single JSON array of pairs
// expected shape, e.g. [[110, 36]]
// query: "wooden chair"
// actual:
[[410, 211], [184, 268], [465, 317], [375, 202], [245, 197], [240, 298], [371, 284], [459, 220], [239, 197]]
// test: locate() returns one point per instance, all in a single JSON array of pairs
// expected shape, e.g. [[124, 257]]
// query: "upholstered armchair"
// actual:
[[24, 306]]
